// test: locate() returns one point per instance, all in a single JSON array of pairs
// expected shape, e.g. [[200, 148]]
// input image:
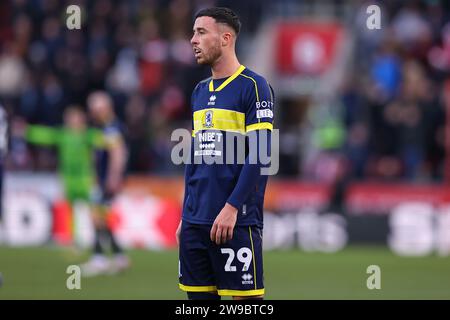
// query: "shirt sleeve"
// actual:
[[112, 137], [259, 103], [259, 116], [250, 173]]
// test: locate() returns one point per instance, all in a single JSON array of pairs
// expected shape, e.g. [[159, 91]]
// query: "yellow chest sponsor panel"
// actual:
[[219, 119], [224, 120]]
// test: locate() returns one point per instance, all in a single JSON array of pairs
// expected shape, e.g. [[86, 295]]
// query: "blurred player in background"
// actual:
[[110, 165], [76, 146], [3, 151], [220, 235]]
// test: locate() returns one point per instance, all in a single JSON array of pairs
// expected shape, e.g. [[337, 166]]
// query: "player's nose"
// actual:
[[194, 40]]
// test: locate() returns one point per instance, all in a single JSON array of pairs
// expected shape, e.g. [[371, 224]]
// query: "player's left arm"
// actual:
[[118, 158], [259, 105]]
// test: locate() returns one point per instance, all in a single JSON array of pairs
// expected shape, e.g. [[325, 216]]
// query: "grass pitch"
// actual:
[[40, 273]]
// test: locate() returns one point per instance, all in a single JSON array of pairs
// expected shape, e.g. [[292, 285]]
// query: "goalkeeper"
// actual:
[[76, 145]]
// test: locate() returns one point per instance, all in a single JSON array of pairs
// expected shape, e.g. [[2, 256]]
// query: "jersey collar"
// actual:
[[226, 82]]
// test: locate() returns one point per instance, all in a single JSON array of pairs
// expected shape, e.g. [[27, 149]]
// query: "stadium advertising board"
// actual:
[[411, 220]]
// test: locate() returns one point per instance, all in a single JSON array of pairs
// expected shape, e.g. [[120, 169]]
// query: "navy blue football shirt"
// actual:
[[234, 106]]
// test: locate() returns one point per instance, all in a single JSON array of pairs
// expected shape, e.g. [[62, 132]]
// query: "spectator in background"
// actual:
[[412, 30], [386, 72], [3, 151], [136, 115], [12, 71], [139, 51], [439, 56]]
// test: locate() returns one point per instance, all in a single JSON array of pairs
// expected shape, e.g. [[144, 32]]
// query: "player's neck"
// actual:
[[108, 119], [225, 66]]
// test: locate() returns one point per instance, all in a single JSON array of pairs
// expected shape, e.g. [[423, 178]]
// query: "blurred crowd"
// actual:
[[139, 51], [395, 116], [392, 115], [386, 121]]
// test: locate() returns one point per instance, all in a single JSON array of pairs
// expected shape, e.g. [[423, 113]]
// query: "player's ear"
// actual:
[[227, 37]]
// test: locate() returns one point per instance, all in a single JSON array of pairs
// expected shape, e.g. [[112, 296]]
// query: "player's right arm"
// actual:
[[259, 117]]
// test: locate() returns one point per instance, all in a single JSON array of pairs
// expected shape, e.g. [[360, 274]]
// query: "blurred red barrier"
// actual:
[[285, 195]]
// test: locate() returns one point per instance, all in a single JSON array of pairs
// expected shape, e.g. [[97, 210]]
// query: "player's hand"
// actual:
[[177, 233], [222, 229]]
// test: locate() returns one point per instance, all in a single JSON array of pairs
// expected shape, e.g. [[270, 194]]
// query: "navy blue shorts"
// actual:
[[232, 269]]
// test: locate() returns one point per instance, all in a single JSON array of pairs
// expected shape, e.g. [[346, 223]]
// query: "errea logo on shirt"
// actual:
[[212, 100], [247, 278]]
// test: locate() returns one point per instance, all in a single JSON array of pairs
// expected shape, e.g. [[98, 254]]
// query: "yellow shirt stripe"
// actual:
[[256, 89], [226, 82], [220, 119], [225, 120], [259, 126], [241, 293], [256, 86], [197, 288]]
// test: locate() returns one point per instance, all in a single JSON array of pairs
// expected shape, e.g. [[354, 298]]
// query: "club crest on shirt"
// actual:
[[208, 119]]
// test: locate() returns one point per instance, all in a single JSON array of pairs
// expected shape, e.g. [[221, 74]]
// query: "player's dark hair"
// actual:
[[222, 15]]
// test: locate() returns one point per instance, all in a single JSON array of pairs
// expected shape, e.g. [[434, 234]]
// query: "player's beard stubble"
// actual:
[[211, 56]]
